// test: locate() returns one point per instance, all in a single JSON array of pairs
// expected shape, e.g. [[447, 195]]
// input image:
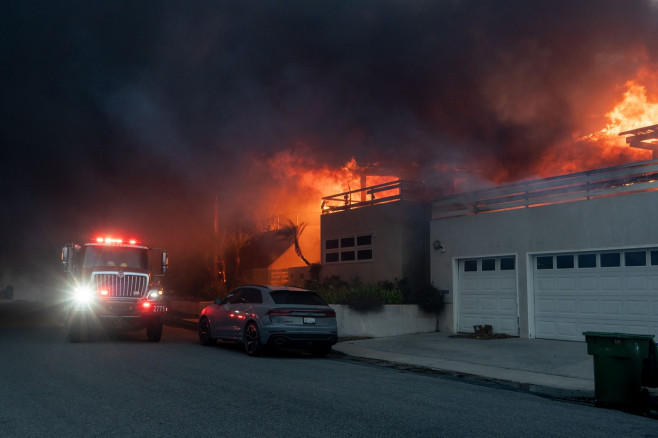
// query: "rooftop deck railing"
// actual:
[[399, 190], [612, 181]]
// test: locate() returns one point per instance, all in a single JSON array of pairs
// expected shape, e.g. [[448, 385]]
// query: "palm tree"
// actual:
[[238, 241], [292, 233]]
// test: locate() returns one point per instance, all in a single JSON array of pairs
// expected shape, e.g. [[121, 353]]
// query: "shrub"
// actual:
[[362, 297], [370, 297]]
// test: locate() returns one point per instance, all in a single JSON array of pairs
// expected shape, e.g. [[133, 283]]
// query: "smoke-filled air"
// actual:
[[142, 118]]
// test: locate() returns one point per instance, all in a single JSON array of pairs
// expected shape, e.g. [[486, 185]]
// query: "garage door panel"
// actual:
[[610, 283], [566, 328], [588, 307], [469, 304], [565, 284], [487, 284], [637, 283], [566, 307], [612, 308], [546, 283], [638, 308], [487, 305], [588, 284], [508, 284], [508, 305], [508, 325], [545, 306]]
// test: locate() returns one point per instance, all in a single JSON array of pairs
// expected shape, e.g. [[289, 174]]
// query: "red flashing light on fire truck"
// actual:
[[115, 240]]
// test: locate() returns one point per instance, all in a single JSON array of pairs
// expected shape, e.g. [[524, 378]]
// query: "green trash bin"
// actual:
[[618, 365]]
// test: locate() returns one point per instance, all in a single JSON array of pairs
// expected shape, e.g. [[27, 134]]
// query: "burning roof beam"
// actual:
[[641, 138]]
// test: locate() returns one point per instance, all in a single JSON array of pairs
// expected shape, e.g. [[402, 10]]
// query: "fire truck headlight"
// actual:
[[83, 294], [155, 294]]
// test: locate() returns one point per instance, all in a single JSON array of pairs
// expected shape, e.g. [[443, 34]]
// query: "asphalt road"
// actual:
[[121, 385]]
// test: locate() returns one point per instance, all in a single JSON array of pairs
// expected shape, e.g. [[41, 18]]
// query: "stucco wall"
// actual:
[[605, 223], [392, 320], [399, 242]]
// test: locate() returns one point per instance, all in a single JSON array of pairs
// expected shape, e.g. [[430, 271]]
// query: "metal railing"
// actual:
[[399, 190], [612, 181]]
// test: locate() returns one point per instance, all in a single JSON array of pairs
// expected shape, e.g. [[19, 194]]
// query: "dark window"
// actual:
[[545, 262], [347, 242], [364, 240], [610, 260], [587, 260], [470, 265], [297, 297], [331, 244], [331, 257], [364, 254], [251, 296], [489, 264], [116, 256], [654, 258], [347, 256], [635, 258], [564, 261], [507, 264], [233, 298]]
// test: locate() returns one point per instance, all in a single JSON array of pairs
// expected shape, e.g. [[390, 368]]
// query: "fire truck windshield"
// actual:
[[115, 256]]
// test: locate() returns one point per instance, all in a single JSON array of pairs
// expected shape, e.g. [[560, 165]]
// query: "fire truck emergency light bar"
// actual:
[[115, 240]]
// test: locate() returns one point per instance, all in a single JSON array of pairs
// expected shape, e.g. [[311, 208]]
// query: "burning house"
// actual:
[[547, 258]]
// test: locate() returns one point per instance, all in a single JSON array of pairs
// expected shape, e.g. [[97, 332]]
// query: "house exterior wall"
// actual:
[[399, 242], [604, 223]]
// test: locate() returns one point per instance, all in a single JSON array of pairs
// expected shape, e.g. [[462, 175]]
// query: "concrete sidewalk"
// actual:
[[556, 368]]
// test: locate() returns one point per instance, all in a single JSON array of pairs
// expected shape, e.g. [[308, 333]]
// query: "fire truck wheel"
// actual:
[[154, 330]]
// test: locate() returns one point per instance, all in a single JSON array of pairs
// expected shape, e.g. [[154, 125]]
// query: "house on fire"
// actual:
[[549, 258]]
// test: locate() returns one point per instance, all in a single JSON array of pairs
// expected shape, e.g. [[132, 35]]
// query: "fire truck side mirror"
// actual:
[[165, 262], [66, 259]]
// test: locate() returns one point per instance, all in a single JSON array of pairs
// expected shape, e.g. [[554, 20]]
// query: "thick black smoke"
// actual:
[[132, 115]]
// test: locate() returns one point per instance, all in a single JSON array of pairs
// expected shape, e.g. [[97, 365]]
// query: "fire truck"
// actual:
[[110, 285]]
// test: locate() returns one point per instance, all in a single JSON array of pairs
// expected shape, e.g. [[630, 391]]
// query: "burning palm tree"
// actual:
[[292, 233]]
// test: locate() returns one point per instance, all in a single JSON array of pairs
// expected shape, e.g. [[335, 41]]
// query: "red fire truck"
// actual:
[[111, 285]]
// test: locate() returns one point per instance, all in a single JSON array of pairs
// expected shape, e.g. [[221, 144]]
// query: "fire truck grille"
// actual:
[[121, 286]]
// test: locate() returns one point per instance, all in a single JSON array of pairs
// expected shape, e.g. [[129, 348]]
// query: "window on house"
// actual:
[[507, 264], [347, 256], [545, 262], [331, 244], [587, 260], [347, 242], [470, 265], [564, 261], [610, 260], [635, 258], [364, 254], [364, 240]]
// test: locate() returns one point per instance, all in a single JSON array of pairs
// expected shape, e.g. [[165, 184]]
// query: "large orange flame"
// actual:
[[634, 111]]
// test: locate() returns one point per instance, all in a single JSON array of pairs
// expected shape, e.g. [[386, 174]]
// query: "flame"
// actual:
[[634, 111]]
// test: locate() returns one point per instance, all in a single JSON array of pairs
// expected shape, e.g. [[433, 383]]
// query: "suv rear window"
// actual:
[[297, 297]]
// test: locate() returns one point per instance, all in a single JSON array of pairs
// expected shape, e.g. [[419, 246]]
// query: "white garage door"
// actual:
[[488, 295], [611, 291]]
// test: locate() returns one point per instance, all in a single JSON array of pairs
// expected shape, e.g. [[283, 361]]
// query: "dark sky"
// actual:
[[129, 116]]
